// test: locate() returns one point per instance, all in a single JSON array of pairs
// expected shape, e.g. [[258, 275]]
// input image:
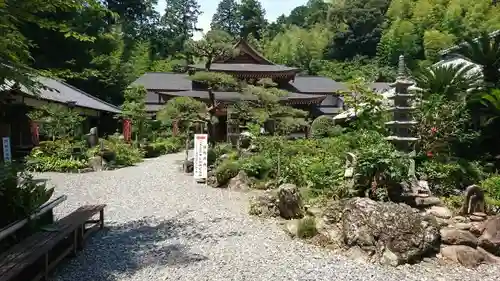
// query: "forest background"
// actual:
[[102, 46]]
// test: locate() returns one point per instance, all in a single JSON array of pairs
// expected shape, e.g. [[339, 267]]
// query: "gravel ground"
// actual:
[[163, 226]]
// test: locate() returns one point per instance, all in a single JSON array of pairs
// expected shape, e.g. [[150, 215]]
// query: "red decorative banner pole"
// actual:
[[35, 132], [175, 128], [127, 130]]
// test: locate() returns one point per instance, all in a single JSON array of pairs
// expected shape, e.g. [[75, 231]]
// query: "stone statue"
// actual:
[[92, 137], [474, 201]]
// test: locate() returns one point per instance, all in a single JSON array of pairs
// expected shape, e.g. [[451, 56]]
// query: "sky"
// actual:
[[274, 9]]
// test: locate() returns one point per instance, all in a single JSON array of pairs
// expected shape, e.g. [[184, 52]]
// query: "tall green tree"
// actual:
[[253, 18], [215, 44], [298, 46], [15, 47], [227, 18], [179, 22], [360, 25]]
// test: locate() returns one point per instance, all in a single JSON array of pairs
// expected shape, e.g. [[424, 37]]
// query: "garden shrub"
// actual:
[[256, 166], [163, 146], [227, 170], [57, 156], [491, 186], [20, 193], [324, 126], [124, 153], [448, 177]]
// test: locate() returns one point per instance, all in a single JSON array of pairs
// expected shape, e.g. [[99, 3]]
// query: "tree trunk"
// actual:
[[186, 158], [211, 114]]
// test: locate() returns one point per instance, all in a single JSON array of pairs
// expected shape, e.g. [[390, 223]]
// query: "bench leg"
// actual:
[[81, 232], [75, 242], [101, 218], [46, 267]]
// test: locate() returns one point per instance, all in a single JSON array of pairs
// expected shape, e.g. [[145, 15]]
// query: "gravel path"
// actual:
[[163, 226]]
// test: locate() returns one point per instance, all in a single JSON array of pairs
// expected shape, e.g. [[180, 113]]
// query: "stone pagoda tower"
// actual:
[[403, 121]]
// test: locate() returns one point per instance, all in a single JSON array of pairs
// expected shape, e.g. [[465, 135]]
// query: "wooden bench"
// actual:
[[36, 256]]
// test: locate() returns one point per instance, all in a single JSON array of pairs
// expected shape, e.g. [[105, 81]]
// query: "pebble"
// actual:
[[161, 225]]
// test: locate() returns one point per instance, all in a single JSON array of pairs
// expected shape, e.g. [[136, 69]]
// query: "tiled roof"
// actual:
[[62, 92], [245, 67], [58, 91], [317, 84], [164, 81]]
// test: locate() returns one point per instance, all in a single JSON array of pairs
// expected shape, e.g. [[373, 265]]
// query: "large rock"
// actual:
[[440, 212], [391, 233], [464, 255], [490, 237], [453, 236], [265, 205], [290, 202], [96, 163], [240, 182]]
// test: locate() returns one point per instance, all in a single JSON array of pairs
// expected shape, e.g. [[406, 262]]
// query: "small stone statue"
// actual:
[[474, 201], [92, 137]]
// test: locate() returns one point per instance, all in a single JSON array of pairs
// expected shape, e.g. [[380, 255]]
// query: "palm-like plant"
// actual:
[[453, 80], [484, 51], [491, 101]]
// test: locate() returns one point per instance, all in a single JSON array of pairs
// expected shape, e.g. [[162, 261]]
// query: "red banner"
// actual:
[[175, 128], [127, 130], [35, 132]]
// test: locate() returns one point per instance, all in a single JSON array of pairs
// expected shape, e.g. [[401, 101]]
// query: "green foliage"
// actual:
[[306, 228], [124, 153], [491, 186], [185, 110], [163, 146], [15, 52], [380, 168], [298, 46], [256, 166], [60, 155], [420, 28], [134, 109], [253, 19], [448, 176], [215, 80], [58, 121], [227, 18], [317, 165], [357, 67], [216, 44], [442, 125], [265, 107], [452, 81], [20, 194], [179, 22], [324, 127], [484, 51], [227, 170]]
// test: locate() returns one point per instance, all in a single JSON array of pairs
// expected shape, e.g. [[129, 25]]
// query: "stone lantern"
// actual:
[[401, 128], [402, 122]]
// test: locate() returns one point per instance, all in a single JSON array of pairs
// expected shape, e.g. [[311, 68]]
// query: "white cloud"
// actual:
[[274, 8]]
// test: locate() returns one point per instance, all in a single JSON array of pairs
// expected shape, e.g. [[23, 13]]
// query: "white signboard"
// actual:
[[200, 156], [7, 156]]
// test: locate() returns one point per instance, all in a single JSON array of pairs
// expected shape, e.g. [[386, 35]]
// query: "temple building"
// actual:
[[16, 101], [315, 94]]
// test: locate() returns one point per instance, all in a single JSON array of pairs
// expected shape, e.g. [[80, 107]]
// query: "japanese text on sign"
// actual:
[[7, 157], [200, 156]]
